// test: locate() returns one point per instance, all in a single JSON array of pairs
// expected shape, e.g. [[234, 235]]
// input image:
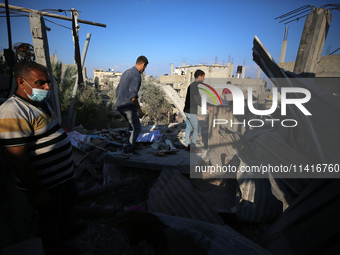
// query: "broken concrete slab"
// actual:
[[146, 160], [175, 98]]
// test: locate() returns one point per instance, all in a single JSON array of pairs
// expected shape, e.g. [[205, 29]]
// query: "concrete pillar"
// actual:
[[228, 69], [258, 73], [183, 64], [312, 41], [42, 55], [243, 71], [284, 46], [231, 70], [172, 69]]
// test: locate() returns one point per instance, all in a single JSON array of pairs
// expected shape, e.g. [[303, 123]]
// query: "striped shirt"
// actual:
[[48, 146]]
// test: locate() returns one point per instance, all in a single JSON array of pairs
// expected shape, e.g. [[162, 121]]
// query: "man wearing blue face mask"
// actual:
[[39, 95], [40, 153]]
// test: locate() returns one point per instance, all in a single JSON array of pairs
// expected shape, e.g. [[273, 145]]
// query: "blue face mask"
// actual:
[[38, 95]]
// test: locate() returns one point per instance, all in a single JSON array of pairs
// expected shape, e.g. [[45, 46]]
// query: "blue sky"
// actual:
[[168, 32]]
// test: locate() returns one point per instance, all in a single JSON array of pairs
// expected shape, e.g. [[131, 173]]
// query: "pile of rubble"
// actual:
[[128, 208], [131, 210], [104, 199]]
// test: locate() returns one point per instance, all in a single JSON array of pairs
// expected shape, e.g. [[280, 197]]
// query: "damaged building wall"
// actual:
[[328, 66], [312, 41], [214, 74]]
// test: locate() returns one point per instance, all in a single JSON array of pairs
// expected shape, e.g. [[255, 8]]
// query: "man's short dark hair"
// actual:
[[228, 82], [198, 73], [141, 60], [22, 69]]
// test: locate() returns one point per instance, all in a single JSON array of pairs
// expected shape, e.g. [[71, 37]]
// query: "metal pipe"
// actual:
[[10, 51], [83, 56], [8, 25]]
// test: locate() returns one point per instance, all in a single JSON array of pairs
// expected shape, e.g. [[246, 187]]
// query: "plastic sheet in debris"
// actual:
[[150, 137]]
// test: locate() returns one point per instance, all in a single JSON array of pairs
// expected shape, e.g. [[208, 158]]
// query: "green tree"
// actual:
[[112, 98], [65, 83], [154, 101], [92, 112], [90, 109]]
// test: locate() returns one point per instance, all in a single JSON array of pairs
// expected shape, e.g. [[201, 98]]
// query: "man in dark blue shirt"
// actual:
[[127, 101], [190, 111]]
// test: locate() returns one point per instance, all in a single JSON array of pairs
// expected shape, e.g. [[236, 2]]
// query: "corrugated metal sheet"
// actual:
[[173, 194], [270, 148], [256, 202]]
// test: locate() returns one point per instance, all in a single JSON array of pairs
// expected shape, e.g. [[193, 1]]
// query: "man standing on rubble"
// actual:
[[226, 95], [192, 101], [127, 101], [41, 155]]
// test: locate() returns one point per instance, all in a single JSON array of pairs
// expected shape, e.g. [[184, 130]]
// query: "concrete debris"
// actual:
[[209, 215], [168, 142], [102, 189], [130, 209], [159, 146], [164, 153]]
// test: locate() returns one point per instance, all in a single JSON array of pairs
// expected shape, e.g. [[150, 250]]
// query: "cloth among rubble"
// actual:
[[75, 137], [150, 137]]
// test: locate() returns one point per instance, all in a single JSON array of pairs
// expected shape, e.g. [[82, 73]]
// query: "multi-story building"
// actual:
[[106, 79], [182, 76]]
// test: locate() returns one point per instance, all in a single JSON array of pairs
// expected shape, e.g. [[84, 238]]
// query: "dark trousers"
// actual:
[[56, 221]]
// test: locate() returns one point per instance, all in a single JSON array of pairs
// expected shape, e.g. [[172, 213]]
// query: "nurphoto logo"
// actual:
[[238, 104]]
